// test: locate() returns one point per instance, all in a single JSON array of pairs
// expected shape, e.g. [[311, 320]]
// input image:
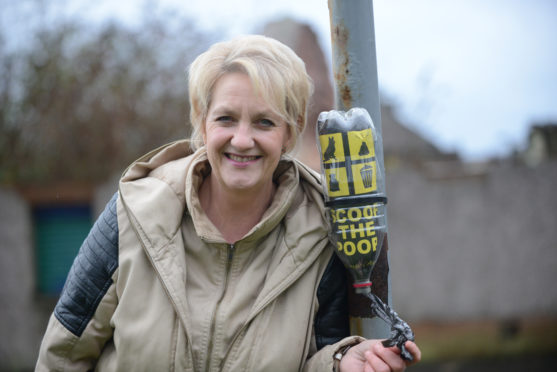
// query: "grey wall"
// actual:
[[22, 314], [474, 247]]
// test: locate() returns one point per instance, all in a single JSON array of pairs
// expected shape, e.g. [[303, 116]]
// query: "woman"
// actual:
[[217, 259]]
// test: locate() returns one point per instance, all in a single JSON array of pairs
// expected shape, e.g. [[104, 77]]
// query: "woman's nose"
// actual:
[[243, 137]]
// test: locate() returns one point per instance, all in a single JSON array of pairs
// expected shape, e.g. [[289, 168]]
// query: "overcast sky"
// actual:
[[469, 75]]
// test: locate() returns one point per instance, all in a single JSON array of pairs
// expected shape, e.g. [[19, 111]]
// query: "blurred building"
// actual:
[[467, 241], [542, 144]]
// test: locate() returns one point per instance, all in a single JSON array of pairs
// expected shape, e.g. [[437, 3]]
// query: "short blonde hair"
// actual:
[[275, 71]]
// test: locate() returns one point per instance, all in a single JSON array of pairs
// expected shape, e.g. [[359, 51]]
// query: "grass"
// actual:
[[486, 339]]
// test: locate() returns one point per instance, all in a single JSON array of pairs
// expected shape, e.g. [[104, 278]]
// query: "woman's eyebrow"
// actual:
[[223, 109], [266, 114]]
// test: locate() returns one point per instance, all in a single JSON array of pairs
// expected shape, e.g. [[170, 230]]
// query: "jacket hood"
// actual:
[[160, 184]]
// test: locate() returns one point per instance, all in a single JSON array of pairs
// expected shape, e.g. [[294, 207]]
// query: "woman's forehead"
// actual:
[[233, 90]]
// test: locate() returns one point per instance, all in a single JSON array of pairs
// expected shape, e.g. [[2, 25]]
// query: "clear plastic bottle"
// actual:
[[354, 194]]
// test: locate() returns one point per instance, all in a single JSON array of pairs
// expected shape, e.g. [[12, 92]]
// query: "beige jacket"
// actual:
[[183, 299]]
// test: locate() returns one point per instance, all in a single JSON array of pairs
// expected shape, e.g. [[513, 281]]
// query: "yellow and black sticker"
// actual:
[[349, 162], [365, 177], [337, 182], [356, 233], [332, 148], [361, 144]]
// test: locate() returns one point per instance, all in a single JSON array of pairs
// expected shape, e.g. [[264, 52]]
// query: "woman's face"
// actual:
[[244, 136]]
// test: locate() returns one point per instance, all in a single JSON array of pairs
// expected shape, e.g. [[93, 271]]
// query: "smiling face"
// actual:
[[244, 137]]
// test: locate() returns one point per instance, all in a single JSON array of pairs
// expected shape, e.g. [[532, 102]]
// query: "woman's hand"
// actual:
[[372, 356]]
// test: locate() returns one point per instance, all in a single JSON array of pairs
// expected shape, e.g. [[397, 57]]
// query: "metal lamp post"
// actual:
[[356, 85]]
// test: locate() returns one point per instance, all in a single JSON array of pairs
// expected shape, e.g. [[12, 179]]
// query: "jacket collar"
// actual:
[[165, 181], [286, 177]]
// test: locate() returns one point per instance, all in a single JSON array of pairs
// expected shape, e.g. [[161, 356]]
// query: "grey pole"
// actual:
[[356, 85]]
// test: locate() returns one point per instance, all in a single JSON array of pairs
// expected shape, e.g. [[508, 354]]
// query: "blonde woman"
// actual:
[[213, 254]]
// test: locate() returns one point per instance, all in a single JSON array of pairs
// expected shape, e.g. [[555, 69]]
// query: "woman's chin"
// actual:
[[241, 186]]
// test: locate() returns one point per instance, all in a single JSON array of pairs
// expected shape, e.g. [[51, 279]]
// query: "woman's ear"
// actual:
[[289, 139]]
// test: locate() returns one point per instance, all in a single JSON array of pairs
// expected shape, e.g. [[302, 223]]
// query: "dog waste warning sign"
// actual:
[[349, 162]]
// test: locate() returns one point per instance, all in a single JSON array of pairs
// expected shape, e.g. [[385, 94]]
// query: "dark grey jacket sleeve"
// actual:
[[331, 322]]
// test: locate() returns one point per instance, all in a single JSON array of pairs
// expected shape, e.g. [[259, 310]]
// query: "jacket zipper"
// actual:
[[242, 328], [231, 249]]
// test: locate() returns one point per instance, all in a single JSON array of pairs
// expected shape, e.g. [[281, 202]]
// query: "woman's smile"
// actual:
[[241, 158]]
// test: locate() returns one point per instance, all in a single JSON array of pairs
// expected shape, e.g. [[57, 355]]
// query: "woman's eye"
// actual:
[[224, 118], [266, 123]]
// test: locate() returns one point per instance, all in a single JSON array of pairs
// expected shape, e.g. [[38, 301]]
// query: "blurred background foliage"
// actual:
[[79, 102]]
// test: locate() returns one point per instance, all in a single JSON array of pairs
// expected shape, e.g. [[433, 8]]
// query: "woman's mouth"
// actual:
[[241, 158]]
